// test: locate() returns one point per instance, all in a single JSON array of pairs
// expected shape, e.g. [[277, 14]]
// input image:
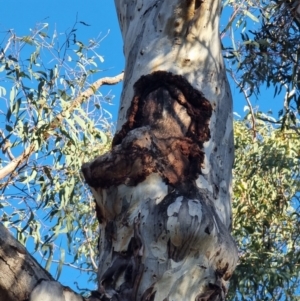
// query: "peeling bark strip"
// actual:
[[167, 124]]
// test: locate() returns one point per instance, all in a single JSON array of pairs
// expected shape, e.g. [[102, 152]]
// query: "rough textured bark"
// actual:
[[23, 279], [19, 271], [163, 193]]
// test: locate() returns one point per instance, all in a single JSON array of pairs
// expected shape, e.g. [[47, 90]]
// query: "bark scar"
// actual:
[[167, 124]]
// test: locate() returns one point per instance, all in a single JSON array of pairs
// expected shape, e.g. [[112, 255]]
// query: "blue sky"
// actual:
[[21, 15]]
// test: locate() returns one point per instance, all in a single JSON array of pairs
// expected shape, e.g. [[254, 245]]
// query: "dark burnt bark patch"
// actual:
[[128, 164], [147, 110], [167, 124]]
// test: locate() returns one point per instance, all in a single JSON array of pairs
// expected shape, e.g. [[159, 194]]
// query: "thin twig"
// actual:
[[66, 264], [231, 19], [7, 45], [295, 128], [6, 146], [85, 229], [248, 102]]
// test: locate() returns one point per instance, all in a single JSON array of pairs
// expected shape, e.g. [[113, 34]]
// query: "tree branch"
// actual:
[[20, 272], [22, 278], [10, 167], [6, 146], [84, 96], [248, 102]]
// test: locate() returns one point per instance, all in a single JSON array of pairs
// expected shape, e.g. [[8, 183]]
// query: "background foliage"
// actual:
[[261, 45], [266, 212], [43, 199]]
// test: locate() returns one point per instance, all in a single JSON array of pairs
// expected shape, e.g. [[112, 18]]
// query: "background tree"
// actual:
[[266, 212], [268, 55], [263, 55]]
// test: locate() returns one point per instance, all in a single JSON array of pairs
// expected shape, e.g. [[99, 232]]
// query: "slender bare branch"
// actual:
[[11, 166], [6, 146], [73, 266], [84, 96], [295, 128], [92, 253], [248, 102], [2, 54]]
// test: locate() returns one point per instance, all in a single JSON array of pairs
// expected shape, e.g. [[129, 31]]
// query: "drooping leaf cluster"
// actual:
[[50, 127], [265, 50]]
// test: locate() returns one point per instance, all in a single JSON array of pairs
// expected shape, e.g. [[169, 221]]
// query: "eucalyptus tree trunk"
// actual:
[[163, 192]]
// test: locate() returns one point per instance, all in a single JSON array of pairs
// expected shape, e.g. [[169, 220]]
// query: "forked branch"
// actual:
[[84, 96]]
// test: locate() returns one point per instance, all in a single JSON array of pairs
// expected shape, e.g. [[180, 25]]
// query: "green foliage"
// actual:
[[266, 212], [43, 198], [266, 51], [262, 49]]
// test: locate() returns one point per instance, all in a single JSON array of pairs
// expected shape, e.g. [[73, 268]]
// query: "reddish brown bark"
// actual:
[[165, 131]]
